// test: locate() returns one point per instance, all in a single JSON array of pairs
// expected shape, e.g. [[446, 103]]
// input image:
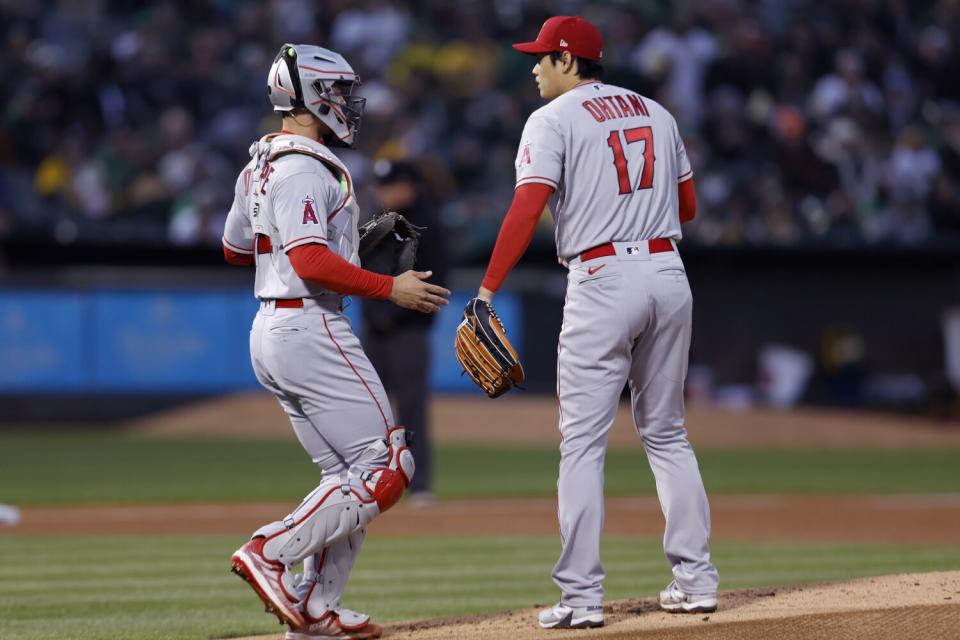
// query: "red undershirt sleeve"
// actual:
[[516, 231], [688, 201], [315, 262], [239, 259]]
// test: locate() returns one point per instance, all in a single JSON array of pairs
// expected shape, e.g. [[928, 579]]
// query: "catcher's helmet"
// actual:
[[321, 81]]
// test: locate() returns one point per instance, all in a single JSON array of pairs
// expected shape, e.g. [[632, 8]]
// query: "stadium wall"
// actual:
[[178, 331]]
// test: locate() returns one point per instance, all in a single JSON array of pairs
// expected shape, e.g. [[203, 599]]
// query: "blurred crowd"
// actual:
[[808, 123]]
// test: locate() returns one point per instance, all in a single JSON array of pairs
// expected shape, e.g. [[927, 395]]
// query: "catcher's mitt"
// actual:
[[485, 352], [388, 244]]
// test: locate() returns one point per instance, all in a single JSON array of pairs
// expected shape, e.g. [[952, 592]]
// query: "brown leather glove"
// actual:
[[485, 352]]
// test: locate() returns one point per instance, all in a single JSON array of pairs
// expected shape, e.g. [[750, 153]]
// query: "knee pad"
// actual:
[[392, 481], [401, 459], [385, 484], [343, 503]]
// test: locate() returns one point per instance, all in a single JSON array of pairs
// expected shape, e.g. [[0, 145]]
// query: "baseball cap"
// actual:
[[566, 33]]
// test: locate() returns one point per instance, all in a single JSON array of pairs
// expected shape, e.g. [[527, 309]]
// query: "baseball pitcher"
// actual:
[[294, 216], [623, 185]]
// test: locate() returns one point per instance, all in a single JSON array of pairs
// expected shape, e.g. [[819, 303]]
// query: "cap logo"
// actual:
[[563, 43]]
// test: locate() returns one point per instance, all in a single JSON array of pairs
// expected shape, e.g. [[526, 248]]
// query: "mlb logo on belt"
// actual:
[[631, 251]]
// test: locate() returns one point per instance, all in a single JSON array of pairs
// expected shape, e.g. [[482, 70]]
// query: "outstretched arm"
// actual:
[[315, 262]]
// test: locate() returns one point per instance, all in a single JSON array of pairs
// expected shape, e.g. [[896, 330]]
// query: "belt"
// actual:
[[657, 245], [330, 303], [263, 244]]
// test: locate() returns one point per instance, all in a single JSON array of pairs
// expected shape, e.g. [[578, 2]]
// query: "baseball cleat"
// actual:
[[560, 616], [342, 624], [265, 577], [674, 600]]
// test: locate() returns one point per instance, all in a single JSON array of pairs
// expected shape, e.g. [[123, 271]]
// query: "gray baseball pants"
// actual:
[[313, 363], [627, 321]]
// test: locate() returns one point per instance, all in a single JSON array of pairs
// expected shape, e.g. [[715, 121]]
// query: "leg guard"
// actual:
[[323, 615], [333, 569], [344, 503], [324, 578]]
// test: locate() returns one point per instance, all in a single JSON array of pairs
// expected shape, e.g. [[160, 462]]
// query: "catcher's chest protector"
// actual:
[[342, 234]]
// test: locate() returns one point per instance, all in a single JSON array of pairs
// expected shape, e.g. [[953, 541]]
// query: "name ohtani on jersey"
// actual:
[[614, 158]]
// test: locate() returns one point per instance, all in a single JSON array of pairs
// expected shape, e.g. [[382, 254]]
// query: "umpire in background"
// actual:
[[396, 340]]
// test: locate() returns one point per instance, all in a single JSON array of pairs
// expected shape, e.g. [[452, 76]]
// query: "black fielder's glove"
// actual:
[[485, 352], [388, 244]]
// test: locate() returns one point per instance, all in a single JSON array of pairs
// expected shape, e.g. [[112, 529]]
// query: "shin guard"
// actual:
[[343, 504]]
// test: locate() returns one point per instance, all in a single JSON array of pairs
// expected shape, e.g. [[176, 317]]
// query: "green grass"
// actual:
[[97, 467], [480, 472], [141, 588]]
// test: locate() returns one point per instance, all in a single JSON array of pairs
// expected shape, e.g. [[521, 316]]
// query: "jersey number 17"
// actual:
[[620, 160]]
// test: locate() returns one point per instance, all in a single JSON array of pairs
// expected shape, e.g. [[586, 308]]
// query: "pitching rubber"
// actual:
[[244, 567]]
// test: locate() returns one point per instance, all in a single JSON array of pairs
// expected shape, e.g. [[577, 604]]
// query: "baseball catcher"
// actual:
[[485, 352], [295, 217]]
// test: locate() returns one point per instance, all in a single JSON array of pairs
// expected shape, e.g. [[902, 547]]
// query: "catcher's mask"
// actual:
[[322, 82]]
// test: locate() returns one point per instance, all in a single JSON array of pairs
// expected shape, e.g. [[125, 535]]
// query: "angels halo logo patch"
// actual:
[[309, 215]]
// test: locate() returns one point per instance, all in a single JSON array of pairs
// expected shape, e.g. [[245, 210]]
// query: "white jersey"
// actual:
[[615, 159], [293, 192]]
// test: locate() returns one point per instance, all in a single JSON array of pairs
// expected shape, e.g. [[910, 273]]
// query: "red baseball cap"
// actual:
[[566, 33]]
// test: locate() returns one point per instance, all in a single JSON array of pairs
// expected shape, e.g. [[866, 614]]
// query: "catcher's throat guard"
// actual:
[[485, 352]]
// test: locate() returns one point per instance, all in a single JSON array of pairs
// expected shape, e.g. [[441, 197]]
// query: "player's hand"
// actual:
[[411, 291]]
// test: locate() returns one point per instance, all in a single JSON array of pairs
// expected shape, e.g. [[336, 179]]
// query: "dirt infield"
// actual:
[[867, 519], [533, 420], [930, 519], [904, 607]]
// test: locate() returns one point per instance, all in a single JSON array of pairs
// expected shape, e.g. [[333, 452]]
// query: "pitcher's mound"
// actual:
[[903, 607]]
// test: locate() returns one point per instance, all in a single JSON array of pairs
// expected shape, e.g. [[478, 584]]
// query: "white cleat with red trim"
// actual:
[[336, 625], [266, 578]]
